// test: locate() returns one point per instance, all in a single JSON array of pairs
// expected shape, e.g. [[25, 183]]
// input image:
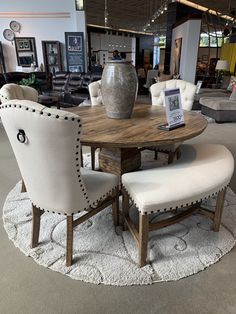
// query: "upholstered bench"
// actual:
[[203, 170]]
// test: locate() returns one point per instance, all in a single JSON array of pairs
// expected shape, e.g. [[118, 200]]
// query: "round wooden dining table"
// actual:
[[120, 140]]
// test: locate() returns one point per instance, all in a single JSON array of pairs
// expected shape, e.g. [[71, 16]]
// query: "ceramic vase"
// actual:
[[119, 86]]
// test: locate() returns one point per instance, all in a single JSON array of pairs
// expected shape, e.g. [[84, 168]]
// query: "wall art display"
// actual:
[[75, 51], [24, 45], [26, 51], [177, 55], [52, 56]]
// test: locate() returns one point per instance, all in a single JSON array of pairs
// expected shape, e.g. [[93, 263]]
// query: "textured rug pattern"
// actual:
[[107, 256]]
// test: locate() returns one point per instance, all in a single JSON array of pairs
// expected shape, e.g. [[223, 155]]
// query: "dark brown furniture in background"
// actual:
[[52, 56]]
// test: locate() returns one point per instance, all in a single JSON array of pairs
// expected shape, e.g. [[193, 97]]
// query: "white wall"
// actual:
[[190, 34], [42, 19], [105, 44]]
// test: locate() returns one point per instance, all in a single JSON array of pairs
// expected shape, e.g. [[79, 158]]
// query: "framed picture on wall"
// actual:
[[177, 55], [74, 43], [23, 45], [75, 56], [26, 51]]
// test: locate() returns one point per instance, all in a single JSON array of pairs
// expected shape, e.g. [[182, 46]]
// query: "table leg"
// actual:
[[119, 160]]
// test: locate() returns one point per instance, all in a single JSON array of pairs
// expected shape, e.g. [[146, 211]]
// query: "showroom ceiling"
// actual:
[[137, 14]]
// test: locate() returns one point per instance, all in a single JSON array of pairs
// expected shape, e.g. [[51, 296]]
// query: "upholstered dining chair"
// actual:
[[13, 91], [96, 100], [187, 92], [46, 143], [95, 93]]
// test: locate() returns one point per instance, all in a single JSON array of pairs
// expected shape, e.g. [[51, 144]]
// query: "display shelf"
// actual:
[[52, 56]]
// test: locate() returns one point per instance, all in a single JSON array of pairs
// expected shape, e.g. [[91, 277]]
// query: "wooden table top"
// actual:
[[140, 131]]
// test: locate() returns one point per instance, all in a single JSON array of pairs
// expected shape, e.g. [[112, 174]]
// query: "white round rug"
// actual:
[[103, 255]]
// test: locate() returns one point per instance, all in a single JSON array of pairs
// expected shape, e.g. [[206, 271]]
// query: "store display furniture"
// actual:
[[181, 185], [14, 91], [222, 109], [52, 56], [187, 92], [39, 135], [70, 88], [120, 140]]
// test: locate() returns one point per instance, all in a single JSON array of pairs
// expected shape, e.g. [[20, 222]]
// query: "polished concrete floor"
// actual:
[[27, 288]]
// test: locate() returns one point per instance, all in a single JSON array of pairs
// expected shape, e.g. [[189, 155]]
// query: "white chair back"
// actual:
[[49, 154], [95, 93], [187, 92], [13, 91]]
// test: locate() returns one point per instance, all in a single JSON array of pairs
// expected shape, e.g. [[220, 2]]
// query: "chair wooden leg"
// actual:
[[156, 155], [93, 149], [125, 208], [115, 207], [219, 210], [69, 241], [36, 213], [178, 153], [23, 187], [171, 156], [143, 239]]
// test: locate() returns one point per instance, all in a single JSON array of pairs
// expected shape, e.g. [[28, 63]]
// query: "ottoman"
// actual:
[[219, 108]]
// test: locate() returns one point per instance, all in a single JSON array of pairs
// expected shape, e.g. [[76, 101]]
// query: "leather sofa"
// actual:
[[72, 88], [43, 79]]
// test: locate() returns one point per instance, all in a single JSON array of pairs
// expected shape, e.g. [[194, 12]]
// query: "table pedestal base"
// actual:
[[119, 160]]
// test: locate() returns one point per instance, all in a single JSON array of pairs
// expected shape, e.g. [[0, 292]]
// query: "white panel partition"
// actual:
[[190, 34]]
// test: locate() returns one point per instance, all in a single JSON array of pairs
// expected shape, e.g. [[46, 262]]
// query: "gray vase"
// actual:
[[119, 86]]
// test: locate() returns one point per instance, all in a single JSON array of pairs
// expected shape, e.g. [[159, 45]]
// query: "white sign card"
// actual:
[[199, 84], [174, 111]]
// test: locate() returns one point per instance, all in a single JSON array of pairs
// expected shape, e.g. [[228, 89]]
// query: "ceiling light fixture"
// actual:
[[202, 8], [157, 13], [106, 14]]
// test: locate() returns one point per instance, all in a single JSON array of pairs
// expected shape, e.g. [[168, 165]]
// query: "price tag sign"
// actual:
[[174, 111]]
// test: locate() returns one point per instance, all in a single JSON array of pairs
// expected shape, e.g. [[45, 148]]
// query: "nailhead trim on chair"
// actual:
[[76, 153], [171, 208]]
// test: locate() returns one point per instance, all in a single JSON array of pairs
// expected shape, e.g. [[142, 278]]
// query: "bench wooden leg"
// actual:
[[23, 187], [219, 210], [93, 149], [143, 239], [36, 212], [125, 208], [69, 241]]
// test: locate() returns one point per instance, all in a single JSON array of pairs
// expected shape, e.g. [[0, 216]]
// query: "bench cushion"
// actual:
[[202, 170]]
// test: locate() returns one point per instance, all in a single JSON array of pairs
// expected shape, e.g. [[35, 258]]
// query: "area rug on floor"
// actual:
[[107, 256]]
